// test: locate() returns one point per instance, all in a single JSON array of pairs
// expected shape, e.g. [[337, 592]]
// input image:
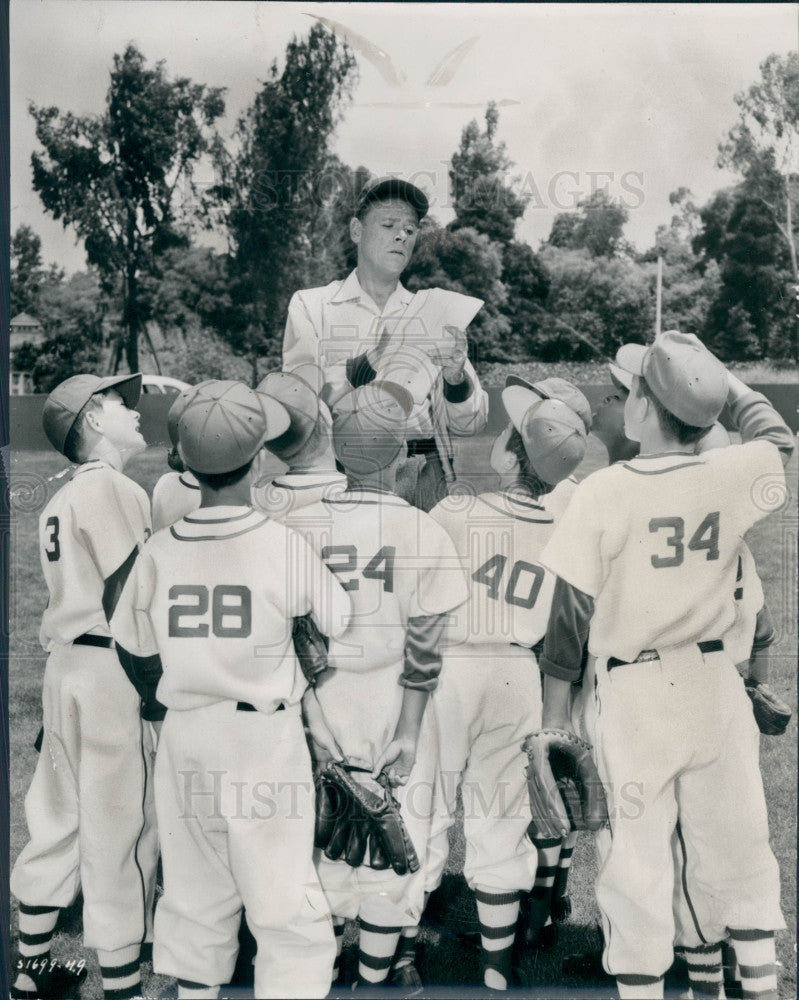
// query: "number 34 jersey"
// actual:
[[214, 595], [655, 542], [499, 537]]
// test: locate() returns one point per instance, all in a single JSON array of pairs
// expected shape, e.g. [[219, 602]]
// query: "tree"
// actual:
[[27, 272], [273, 191], [527, 286], [115, 177], [482, 193], [596, 225], [763, 146]]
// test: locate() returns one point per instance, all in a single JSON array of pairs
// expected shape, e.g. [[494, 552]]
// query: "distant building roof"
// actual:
[[22, 321]]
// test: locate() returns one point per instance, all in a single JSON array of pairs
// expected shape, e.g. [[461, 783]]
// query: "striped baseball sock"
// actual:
[[564, 865], [407, 947], [338, 930], [376, 947], [196, 991], [705, 970], [541, 895], [120, 972], [498, 913], [36, 926], [633, 987], [757, 963]]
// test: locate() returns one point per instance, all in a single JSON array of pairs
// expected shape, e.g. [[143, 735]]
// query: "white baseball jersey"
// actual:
[[655, 541], [174, 495], [215, 595], [394, 561], [498, 538], [292, 492], [86, 532]]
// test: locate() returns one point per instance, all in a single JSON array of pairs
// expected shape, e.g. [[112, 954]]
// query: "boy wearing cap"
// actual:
[[647, 553], [489, 696], [369, 326], [234, 789], [176, 493], [89, 807], [306, 448], [403, 576]]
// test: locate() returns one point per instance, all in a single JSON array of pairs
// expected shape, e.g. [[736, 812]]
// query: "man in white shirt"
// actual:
[[369, 326]]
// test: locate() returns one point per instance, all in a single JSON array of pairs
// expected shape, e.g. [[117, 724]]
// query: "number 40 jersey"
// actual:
[[498, 537]]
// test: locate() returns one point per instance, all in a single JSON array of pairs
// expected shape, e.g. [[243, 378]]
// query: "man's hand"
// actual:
[[450, 354], [323, 743], [397, 761]]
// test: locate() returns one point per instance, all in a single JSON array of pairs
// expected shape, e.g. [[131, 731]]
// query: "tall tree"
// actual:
[[482, 191], [274, 189], [27, 272], [596, 225], [115, 177]]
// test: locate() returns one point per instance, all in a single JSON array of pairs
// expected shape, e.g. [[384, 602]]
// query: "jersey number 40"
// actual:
[[524, 575]]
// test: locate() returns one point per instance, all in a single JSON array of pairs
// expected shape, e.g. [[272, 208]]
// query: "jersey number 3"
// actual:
[[53, 548], [705, 537]]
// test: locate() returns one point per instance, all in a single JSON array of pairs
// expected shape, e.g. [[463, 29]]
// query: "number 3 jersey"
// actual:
[[655, 541], [86, 532], [499, 537], [214, 595]]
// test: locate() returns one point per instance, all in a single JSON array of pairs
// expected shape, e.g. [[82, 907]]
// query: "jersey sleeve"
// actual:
[[113, 519], [421, 662], [441, 584], [466, 405], [574, 551], [749, 481], [130, 624], [312, 588]]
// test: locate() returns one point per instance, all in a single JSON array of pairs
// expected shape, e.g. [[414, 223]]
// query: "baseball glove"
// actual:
[[772, 715], [358, 821], [310, 645], [565, 789]]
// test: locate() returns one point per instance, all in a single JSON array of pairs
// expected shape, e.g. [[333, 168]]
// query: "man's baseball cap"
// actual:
[[224, 424], [548, 388], [369, 426], [685, 378], [554, 435], [383, 188], [62, 406], [302, 405]]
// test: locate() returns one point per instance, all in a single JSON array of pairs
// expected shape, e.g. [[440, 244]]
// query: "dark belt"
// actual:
[[708, 646], [422, 446], [103, 641], [245, 706]]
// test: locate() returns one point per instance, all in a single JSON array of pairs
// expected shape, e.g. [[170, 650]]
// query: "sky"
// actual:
[[633, 98]]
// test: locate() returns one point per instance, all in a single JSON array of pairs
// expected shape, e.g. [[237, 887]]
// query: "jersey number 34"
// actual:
[[705, 538]]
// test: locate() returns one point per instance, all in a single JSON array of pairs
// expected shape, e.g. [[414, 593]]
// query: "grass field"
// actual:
[[446, 961]]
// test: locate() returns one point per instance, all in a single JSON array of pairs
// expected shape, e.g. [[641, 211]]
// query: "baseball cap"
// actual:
[[688, 381], [548, 388], [302, 405], [62, 406], [382, 188], [369, 426], [554, 435], [224, 424], [620, 378], [177, 408]]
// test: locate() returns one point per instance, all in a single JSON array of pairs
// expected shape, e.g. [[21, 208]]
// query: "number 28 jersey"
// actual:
[[655, 542], [499, 537]]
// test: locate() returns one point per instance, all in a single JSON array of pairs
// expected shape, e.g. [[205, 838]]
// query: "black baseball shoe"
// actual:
[[561, 908], [52, 980], [543, 938]]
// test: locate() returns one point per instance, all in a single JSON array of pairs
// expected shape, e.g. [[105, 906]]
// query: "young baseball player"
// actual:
[[233, 773], [403, 576], [489, 694], [89, 806], [176, 493], [369, 326], [647, 553], [306, 447]]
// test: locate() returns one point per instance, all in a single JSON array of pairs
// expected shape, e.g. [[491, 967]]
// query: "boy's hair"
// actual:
[[174, 461], [219, 480], [75, 439], [669, 424], [529, 477]]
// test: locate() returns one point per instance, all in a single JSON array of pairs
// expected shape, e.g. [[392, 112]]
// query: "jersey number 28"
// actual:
[[231, 612]]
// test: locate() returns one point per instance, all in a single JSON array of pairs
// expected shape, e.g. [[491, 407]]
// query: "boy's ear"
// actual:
[[356, 228], [92, 419]]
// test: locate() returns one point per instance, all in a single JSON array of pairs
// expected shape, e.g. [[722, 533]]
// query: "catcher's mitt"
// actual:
[[565, 789], [310, 645], [358, 821], [772, 715]]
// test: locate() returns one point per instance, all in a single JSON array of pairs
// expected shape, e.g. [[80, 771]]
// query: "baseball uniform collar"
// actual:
[[351, 291]]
